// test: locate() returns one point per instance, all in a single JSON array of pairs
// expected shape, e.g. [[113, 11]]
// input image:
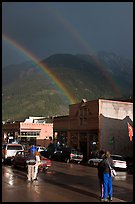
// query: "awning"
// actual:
[[28, 135], [30, 130]]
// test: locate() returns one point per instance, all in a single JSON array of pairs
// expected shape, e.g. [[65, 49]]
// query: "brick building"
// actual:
[[34, 130], [95, 125]]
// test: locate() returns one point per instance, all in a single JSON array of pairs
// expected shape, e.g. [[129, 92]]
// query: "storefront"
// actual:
[[95, 125]]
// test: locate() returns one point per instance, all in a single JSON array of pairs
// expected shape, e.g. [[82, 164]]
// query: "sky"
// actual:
[[47, 28]]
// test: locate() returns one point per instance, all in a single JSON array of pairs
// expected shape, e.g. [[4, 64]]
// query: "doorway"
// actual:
[[83, 149]]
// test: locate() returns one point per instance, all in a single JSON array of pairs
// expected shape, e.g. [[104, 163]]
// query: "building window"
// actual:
[[36, 133], [83, 112]]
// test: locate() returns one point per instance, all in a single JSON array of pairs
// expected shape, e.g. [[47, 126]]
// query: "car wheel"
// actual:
[[67, 160]]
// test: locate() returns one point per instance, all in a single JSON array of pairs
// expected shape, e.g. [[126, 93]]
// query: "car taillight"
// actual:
[[48, 165], [5, 151]]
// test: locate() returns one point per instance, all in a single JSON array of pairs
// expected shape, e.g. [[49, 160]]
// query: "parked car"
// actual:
[[61, 154], [9, 150], [20, 158], [48, 152], [76, 156], [67, 155], [118, 161], [94, 161]]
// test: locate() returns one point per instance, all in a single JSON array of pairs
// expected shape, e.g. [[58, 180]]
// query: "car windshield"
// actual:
[[19, 153], [117, 158], [76, 152], [80, 153], [40, 148], [13, 147]]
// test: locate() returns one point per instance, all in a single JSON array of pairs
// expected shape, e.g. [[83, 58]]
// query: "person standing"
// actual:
[[38, 160], [100, 177], [31, 161], [107, 179]]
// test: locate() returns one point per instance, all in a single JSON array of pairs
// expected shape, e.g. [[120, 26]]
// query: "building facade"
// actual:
[[95, 125], [90, 126], [33, 131]]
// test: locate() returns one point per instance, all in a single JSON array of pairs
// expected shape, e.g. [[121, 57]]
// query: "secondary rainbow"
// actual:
[[88, 49], [58, 84]]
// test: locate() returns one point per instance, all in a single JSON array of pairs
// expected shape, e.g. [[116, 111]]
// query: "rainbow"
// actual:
[[87, 48], [58, 84]]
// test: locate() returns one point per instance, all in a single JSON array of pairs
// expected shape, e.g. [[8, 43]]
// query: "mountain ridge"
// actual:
[[28, 90]]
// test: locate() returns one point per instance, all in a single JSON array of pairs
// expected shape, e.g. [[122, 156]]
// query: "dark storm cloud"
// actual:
[[69, 27]]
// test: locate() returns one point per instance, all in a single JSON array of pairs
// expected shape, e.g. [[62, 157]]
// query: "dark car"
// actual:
[[19, 160], [62, 154], [49, 151], [66, 154]]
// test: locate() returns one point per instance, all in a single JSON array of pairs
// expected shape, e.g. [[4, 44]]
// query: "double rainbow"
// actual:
[[57, 83]]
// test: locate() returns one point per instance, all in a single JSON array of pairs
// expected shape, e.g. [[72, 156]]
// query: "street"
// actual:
[[62, 183]]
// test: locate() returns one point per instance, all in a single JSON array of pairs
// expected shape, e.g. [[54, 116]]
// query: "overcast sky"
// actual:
[[47, 28]]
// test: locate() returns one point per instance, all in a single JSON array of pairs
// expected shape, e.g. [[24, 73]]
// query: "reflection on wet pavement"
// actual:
[[121, 176], [74, 178]]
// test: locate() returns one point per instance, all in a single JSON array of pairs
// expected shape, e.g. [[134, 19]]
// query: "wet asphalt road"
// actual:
[[62, 183]]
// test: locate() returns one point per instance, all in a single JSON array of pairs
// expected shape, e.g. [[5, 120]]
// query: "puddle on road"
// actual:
[[121, 176], [51, 172]]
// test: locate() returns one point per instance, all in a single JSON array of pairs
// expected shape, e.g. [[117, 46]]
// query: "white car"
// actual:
[[118, 161], [94, 161], [9, 150], [76, 156]]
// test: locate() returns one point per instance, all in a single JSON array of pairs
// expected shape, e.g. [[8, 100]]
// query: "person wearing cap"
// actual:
[[31, 161]]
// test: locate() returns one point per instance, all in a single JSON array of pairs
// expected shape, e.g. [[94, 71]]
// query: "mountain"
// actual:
[[29, 89]]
